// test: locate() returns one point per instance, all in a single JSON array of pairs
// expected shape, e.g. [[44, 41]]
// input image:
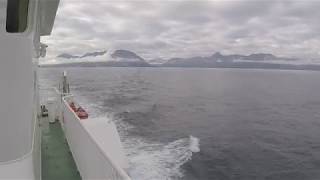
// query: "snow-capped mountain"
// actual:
[[102, 58]]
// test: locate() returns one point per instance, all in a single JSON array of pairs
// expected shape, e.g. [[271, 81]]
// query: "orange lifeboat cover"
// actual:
[[82, 114]]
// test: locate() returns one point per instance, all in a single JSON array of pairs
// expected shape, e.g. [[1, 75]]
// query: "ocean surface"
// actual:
[[206, 124]]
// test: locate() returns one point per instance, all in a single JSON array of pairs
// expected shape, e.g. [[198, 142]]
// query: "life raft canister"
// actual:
[[81, 113], [73, 106]]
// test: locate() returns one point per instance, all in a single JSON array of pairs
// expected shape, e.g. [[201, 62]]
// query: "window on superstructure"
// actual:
[[17, 16]]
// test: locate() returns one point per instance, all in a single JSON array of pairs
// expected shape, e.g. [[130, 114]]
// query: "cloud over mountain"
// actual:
[[111, 57], [166, 29]]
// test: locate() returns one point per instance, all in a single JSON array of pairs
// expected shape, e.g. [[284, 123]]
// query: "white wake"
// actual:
[[149, 160], [155, 161]]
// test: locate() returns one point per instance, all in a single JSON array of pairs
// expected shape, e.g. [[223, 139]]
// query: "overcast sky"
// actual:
[[179, 28]]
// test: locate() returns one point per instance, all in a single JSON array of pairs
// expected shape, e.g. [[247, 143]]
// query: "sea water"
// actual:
[[215, 124]]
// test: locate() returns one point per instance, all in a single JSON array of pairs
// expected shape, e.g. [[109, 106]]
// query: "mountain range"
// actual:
[[222, 59], [121, 58], [88, 54], [126, 58]]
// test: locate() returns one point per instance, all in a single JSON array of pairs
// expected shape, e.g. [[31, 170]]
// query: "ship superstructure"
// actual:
[[94, 144]]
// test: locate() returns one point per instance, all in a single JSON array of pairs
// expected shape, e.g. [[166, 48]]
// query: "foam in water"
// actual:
[[149, 160], [194, 144], [159, 161]]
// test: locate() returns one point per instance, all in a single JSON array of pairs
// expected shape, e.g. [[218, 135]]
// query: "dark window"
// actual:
[[17, 15]]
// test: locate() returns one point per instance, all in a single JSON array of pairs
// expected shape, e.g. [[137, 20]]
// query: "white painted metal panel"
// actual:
[[16, 97], [91, 160], [19, 132], [106, 136], [20, 170], [27, 167]]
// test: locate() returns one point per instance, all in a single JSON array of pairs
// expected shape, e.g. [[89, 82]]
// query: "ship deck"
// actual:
[[56, 157]]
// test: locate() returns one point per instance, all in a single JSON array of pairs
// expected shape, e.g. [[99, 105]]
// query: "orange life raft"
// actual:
[[81, 113]]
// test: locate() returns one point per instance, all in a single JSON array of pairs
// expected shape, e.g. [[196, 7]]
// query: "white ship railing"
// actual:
[[92, 162]]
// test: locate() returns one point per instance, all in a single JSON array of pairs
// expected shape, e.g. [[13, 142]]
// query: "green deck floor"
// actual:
[[57, 161]]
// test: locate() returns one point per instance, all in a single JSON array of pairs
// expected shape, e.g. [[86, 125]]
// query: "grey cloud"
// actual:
[[188, 28], [239, 12]]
